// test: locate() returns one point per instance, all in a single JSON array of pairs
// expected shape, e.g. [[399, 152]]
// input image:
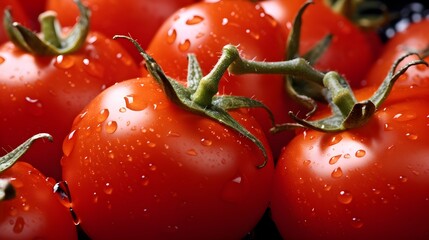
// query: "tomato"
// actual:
[[413, 38], [45, 93], [18, 12], [351, 53], [33, 8], [140, 19], [35, 211], [140, 166], [204, 28], [367, 183]]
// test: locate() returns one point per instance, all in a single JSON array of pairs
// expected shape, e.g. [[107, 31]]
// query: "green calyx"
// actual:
[[51, 40], [200, 95], [347, 112], [7, 161]]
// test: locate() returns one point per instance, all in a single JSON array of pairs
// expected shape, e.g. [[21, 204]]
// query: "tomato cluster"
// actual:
[[213, 119]]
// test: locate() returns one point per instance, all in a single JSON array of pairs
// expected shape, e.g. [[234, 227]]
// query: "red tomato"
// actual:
[[33, 8], [414, 38], [350, 52], [45, 93], [204, 28], [140, 19], [18, 13], [366, 183], [35, 212], [139, 166]]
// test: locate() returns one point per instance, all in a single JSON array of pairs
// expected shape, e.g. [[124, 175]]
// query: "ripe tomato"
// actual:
[[35, 212], [139, 166], [18, 12], [140, 19], [204, 28], [366, 183], [32, 9], [45, 93], [350, 52], [413, 38]]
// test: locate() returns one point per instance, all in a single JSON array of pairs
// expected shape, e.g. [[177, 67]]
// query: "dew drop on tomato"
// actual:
[[337, 173], [360, 153], [194, 20], [171, 35], [111, 127], [64, 62], [34, 106], [135, 102], [103, 115], [345, 197], [357, 222], [334, 159], [185, 45], [94, 69], [69, 143], [2, 60], [236, 190], [18, 227], [62, 190]]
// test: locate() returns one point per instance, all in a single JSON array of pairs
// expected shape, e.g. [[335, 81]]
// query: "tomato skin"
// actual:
[[36, 211], [32, 9], [44, 94], [351, 52], [413, 38], [204, 28], [366, 183], [138, 166], [139, 19]]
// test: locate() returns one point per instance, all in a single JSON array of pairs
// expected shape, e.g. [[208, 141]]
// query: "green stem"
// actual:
[[49, 27], [341, 94]]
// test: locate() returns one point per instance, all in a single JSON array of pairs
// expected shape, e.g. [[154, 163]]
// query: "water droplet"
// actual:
[[185, 45], [306, 162], [224, 21], [69, 143], [356, 222], [108, 189], [411, 136], [194, 20], [327, 187], [19, 225], [2, 60], [253, 34], [404, 117], [171, 35], [64, 62], [192, 152], [103, 115], [135, 102], [173, 134], [403, 179], [335, 139], [334, 159], [145, 181], [235, 190], [388, 127], [111, 126], [62, 190], [152, 167], [345, 197], [94, 69], [206, 142], [337, 173], [35, 106], [79, 118], [360, 153]]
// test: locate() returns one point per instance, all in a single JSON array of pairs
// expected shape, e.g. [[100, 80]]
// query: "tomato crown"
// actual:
[[51, 40]]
